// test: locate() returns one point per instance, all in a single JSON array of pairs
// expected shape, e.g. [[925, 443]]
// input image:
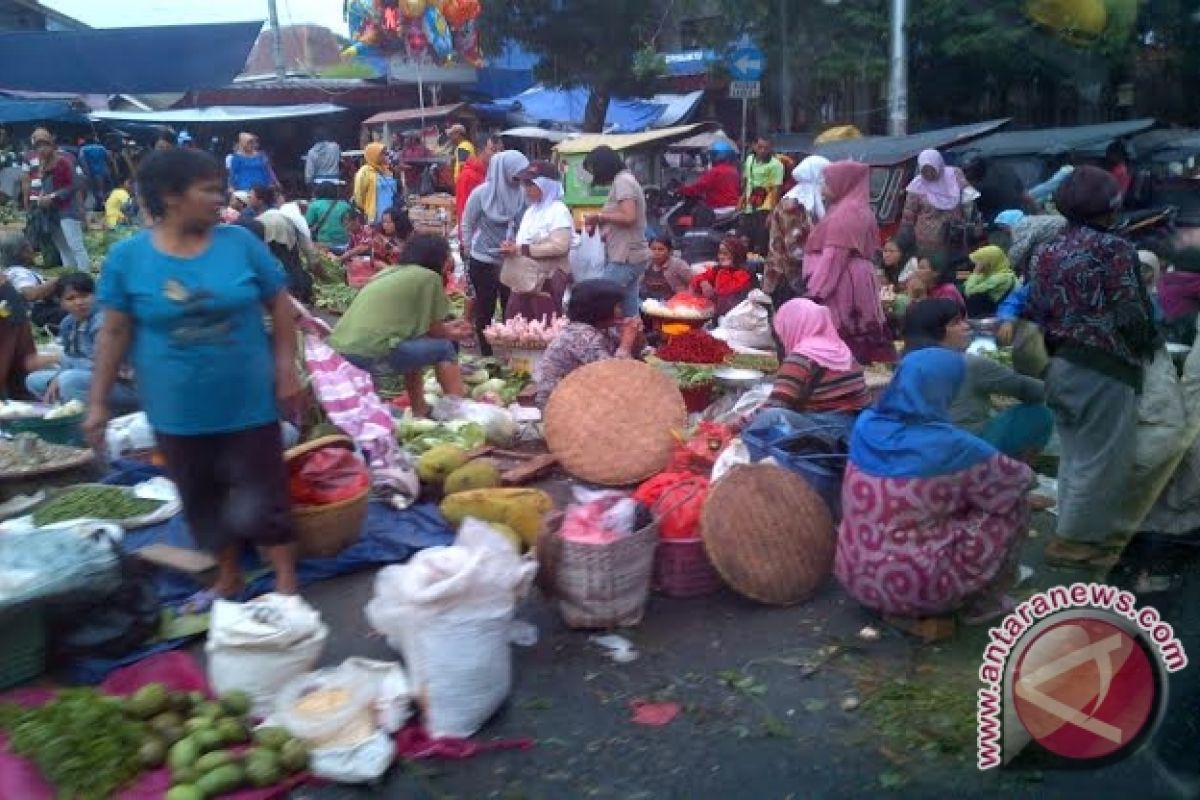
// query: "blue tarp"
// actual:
[[175, 58], [389, 537], [566, 106], [506, 74], [14, 111]]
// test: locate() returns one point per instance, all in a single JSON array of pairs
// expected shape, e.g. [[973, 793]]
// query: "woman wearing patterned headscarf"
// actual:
[[1086, 294], [791, 222]]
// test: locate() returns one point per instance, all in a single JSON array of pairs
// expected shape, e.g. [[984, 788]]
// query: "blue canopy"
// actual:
[[508, 73], [566, 106], [175, 58], [13, 111]]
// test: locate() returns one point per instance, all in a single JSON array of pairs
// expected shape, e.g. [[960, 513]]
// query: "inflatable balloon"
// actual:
[[466, 42], [459, 12], [358, 12], [438, 33], [412, 9], [370, 34], [415, 43]]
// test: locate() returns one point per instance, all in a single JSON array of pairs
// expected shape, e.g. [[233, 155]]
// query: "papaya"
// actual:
[[438, 462], [520, 509], [476, 475]]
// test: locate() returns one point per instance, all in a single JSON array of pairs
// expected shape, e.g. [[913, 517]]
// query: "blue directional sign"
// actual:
[[746, 61]]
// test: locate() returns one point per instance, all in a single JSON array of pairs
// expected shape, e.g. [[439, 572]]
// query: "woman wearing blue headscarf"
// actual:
[[933, 516]]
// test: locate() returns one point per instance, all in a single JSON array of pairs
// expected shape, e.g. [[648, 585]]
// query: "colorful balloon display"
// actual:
[[443, 29]]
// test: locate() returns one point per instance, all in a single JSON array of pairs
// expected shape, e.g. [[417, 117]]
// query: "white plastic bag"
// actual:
[[360, 763], [748, 324], [734, 454], [588, 256], [260, 646], [448, 612], [498, 424], [328, 708], [392, 697], [128, 433]]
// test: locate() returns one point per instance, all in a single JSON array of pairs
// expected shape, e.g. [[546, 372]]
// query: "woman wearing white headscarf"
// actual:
[[790, 223], [934, 202], [536, 267], [489, 219]]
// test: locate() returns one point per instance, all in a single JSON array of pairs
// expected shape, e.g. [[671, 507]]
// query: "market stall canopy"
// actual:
[[218, 114], [175, 58], [885, 151], [540, 134], [415, 114], [627, 141], [16, 111], [1055, 141], [566, 107]]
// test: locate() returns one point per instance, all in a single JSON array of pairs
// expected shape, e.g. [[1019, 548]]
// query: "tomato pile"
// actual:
[[694, 347]]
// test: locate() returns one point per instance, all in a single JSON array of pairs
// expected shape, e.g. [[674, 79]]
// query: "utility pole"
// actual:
[[898, 73], [785, 73], [276, 40]]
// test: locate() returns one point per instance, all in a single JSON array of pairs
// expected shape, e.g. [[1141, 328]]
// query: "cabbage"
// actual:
[[495, 385]]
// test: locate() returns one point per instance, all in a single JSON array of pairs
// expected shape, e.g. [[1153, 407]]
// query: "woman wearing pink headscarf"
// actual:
[[838, 271], [934, 202], [818, 372]]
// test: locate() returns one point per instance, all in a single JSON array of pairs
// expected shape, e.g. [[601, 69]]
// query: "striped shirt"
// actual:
[[802, 385]]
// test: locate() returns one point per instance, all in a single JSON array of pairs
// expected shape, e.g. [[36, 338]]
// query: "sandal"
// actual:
[[1065, 553]]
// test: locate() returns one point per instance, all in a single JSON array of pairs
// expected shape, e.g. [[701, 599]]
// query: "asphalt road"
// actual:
[[762, 693]]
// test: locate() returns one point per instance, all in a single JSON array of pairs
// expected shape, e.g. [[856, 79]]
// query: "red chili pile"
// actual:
[[694, 347]]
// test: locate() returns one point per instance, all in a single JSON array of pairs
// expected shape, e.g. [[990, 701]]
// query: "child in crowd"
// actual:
[[66, 376], [730, 281], [119, 208]]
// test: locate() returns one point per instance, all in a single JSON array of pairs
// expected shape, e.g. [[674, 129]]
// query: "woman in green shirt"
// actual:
[[399, 322], [326, 217]]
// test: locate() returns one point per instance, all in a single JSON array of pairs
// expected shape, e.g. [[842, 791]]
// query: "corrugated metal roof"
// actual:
[[884, 151], [409, 115], [1055, 141], [624, 141]]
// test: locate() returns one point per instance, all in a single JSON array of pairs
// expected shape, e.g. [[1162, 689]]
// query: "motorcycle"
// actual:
[[695, 229]]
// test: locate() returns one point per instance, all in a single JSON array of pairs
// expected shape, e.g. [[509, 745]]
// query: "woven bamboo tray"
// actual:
[[768, 534], [613, 422]]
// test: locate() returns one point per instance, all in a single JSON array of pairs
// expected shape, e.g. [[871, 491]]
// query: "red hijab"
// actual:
[[850, 222]]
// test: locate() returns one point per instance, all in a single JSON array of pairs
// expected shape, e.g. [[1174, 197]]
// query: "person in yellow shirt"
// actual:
[[117, 206], [461, 148]]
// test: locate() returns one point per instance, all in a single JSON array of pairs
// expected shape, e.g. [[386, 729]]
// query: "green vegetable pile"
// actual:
[[419, 435], [330, 290], [89, 745], [1001, 356], [94, 502], [687, 376]]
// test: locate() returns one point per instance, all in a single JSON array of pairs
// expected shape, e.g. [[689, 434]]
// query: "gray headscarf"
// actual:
[[503, 198], [1029, 234], [11, 244]]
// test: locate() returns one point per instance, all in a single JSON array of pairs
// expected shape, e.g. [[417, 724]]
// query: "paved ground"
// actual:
[[762, 692]]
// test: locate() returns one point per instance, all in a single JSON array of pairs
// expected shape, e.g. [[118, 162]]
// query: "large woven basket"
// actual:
[[325, 531], [597, 585], [613, 422], [769, 534]]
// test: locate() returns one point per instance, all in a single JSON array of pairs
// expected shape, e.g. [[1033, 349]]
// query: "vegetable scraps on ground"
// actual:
[[695, 347]]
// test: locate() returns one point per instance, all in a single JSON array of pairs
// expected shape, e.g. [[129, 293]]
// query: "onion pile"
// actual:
[[525, 334]]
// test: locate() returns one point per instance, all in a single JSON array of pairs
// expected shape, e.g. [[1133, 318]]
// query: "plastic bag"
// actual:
[[735, 409], [260, 646], [498, 424], [448, 613], [127, 434], [814, 446], [748, 324], [588, 256], [734, 455], [359, 763], [327, 708], [599, 517], [677, 499], [328, 475], [699, 452]]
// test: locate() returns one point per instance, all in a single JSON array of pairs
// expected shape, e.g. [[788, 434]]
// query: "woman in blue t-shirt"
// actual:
[[249, 166], [185, 301]]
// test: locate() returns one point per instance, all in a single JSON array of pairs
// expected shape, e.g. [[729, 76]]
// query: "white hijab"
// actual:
[[545, 216], [809, 175]]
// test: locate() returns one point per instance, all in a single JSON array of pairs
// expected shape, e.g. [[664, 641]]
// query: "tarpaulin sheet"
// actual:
[[175, 58], [390, 536], [215, 114], [566, 106], [15, 111]]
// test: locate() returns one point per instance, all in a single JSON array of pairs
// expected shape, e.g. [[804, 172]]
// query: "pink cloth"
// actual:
[[930, 546], [847, 285], [807, 329], [850, 223], [943, 193]]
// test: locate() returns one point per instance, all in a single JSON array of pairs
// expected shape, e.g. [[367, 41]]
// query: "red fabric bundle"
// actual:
[[676, 498], [327, 476]]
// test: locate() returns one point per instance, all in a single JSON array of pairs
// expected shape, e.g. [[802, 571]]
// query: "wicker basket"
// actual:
[[324, 531], [613, 422], [597, 586], [683, 569], [769, 534]]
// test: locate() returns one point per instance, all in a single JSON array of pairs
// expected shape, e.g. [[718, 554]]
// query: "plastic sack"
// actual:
[[499, 427], [325, 476], [390, 691], [677, 500], [736, 409], [260, 646], [327, 708], [127, 434], [448, 612], [588, 256], [72, 559], [359, 763], [748, 324], [734, 455], [814, 446]]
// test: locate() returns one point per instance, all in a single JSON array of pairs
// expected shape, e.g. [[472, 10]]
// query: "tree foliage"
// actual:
[[602, 45]]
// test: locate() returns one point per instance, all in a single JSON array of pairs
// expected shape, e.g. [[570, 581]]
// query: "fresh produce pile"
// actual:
[[89, 745], [768, 364], [333, 297], [687, 376], [524, 334], [420, 435], [94, 502], [694, 347], [683, 305]]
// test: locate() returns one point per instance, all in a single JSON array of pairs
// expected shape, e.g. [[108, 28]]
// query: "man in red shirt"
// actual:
[[471, 176], [720, 187]]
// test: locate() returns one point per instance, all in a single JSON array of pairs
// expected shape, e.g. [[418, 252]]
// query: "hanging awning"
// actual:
[[414, 114], [16, 111], [175, 58], [541, 105], [218, 114]]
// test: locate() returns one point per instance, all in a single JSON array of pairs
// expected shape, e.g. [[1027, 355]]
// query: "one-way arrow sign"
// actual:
[[746, 61]]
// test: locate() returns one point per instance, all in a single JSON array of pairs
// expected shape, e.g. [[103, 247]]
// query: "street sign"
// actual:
[[744, 90], [746, 61]]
